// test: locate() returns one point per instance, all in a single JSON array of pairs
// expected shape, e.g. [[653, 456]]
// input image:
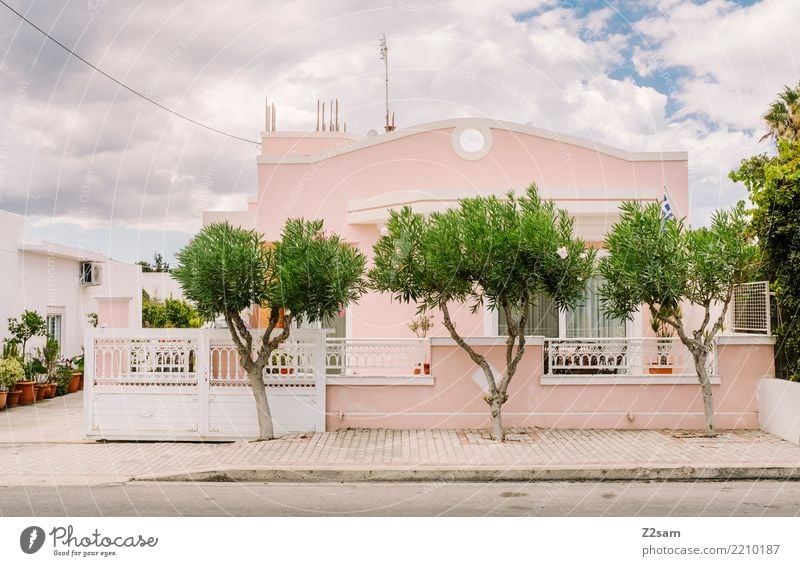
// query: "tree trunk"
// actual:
[[256, 377], [700, 360], [498, 434]]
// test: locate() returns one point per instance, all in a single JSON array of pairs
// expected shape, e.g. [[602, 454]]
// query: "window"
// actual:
[[542, 318], [54, 327], [588, 320], [336, 323], [585, 321]]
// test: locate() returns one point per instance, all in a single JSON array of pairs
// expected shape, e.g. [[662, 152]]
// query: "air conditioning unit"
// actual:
[[89, 273]]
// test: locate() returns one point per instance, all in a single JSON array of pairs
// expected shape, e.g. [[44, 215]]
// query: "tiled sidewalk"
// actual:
[[28, 457]]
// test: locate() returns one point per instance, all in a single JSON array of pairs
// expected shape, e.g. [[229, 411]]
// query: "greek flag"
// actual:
[[666, 210]]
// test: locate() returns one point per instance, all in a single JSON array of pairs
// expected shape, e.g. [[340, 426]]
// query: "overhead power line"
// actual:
[[123, 85]]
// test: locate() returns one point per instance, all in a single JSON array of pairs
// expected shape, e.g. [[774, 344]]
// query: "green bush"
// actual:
[[11, 372], [171, 313]]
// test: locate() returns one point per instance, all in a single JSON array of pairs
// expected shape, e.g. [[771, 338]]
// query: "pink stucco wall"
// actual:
[[322, 175], [456, 397]]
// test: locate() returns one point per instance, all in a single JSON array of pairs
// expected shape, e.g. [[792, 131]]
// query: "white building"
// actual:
[[65, 285], [161, 285]]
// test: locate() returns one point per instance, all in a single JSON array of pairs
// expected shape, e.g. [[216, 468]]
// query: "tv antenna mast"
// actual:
[[385, 56]]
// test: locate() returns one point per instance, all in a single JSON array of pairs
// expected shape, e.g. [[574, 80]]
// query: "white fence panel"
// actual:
[[370, 357], [232, 413], [750, 308], [181, 384], [778, 401]]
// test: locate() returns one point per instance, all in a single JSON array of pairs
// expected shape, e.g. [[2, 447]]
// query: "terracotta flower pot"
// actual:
[[80, 384], [3, 399], [27, 393], [74, 382], [50, 392], [660, 371], [40, 389], [13, 398], [425, 369]]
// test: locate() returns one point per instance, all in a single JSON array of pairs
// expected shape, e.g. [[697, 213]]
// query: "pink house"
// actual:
[[581, 370]]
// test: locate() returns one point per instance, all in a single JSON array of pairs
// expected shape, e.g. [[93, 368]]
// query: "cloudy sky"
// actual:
[[92, 165]]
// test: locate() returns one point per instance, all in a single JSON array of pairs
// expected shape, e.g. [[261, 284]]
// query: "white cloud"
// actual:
[[217, 62]]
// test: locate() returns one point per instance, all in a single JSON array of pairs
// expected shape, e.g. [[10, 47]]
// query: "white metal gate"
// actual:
[[187, 384]]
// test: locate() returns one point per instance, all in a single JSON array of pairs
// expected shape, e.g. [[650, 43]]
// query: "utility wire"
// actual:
[[123, 85]]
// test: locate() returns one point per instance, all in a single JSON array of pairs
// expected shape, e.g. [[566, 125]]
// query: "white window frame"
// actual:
[[491, 319], [59, 314]]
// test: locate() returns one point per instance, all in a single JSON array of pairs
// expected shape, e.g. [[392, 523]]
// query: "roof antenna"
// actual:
[[385, 57], [269, 125]]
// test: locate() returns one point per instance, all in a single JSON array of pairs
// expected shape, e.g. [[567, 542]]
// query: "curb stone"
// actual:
[[313, 475]]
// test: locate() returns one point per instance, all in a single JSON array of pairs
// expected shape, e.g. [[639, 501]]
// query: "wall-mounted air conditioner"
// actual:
[[90, 273]]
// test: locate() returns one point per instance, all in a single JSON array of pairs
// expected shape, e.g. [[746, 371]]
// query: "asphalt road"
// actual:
[[764, 498]]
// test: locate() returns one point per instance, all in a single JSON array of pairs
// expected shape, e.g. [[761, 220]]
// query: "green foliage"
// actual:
[[307, 274], [10, 348], [313, 275], [500, 253], [29, 325], [662, 264], [78, 361], [226, 270], [774, 187], [63, 377], [46, 360], [783, 116], [11, 371], [223, 269], [171, 313], [153, 315], [485, 250], [158, 265]]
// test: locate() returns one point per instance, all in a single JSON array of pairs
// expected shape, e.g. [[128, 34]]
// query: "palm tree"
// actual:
[[783, 117]]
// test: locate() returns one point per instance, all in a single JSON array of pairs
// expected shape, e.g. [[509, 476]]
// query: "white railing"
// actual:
[[171, 358], [168, 384], [145, 358], [656, 357], [290, 365], [750, 308], [367, 357]]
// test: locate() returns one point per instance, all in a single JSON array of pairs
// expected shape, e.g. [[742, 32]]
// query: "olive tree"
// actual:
[[305, 275], [29, 325], [501, 253], [663, 265]]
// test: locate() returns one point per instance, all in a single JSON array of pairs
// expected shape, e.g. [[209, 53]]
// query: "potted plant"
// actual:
[[27, 326], [283, 361], [45, 365], [25, 386], [63, 378], [75, 377], [420, 327], [662, 364], [11, 372], [78, 362], [22, 329]]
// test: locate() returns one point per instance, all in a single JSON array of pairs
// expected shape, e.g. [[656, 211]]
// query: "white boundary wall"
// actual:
[[186, 384], [779, 408]]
